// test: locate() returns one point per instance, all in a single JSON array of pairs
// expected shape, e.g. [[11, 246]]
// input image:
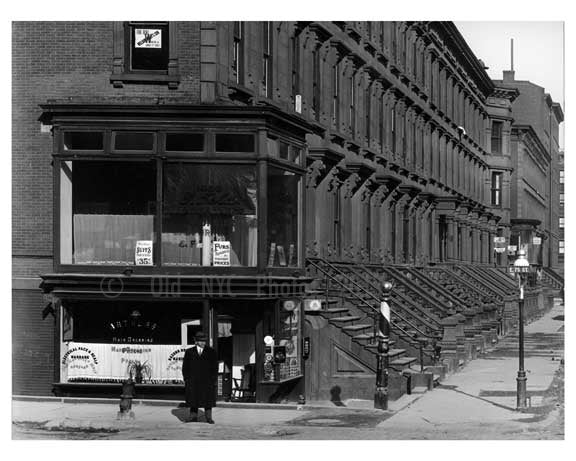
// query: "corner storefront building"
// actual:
[[173, 220], [257, 181]]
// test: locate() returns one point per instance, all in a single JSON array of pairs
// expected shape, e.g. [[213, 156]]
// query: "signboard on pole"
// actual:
[[536, 240], [499, 239]]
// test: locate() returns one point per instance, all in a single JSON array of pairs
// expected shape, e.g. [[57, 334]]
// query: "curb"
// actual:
[[176, 403]]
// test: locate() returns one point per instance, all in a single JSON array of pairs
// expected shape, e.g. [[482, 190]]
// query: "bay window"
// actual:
[[180, 199]]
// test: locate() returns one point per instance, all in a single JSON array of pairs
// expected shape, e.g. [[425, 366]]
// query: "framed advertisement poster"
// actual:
[[147, 38]]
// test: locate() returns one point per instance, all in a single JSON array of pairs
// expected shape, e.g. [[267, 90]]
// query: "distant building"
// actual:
[[535, 161]]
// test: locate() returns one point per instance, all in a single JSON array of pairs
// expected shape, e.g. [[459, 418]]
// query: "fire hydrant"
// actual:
[[128, 393]]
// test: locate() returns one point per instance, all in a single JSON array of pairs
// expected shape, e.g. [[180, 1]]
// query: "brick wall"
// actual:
[[33, 338], [60, 60]]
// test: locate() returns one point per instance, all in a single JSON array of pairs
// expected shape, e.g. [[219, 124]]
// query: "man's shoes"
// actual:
[[210, 421], [208, 414]]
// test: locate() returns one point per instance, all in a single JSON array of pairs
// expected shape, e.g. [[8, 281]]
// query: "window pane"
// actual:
[[83, 140], [283, 217], [149, 47], [272, 145], [296, 154], [113, 206], [235, 143], [496, 137], [207, 204], [131, 140], [185, 142], [284, 148]]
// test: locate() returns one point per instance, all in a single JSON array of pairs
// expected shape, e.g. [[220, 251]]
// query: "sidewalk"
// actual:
[[480, 400]]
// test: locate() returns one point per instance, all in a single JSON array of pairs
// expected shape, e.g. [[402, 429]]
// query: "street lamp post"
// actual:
[[381, 394], [521, 267]]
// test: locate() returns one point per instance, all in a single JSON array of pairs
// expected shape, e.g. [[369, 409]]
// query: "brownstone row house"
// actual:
[[259, 181]]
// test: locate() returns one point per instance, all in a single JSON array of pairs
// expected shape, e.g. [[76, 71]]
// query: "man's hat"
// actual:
[[200, 336]]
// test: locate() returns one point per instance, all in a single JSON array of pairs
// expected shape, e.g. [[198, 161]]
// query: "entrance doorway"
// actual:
[[237, 336]]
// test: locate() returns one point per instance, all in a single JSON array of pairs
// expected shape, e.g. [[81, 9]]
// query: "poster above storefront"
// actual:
[[499, 239], [144, 253], [148, 38], [536, 240]]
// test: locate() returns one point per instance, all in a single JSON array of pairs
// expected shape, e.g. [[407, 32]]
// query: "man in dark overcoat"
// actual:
[[200, 372]]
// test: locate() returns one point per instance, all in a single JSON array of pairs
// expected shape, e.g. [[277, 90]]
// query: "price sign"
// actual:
[[221, 254], [143, 255]]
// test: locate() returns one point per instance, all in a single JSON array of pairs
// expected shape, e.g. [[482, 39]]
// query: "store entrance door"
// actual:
[[236, 343]]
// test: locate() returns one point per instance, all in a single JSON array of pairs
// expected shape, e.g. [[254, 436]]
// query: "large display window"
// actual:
[[284, 203], [206, 204], [106, 208], [181, 199], [107, 341]]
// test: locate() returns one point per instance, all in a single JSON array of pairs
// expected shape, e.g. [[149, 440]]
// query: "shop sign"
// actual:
[[499, 239], [512, 248], [221, 254], [500, 249], [536, 240], [93, 362], [144, 253], [148, 38]]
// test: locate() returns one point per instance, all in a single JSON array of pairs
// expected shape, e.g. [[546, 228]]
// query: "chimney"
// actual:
[[508, 75]]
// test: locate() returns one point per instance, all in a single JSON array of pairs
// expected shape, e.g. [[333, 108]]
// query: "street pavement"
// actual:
[[477, 402]]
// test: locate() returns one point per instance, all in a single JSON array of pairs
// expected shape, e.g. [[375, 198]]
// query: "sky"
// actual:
[[538, 52]]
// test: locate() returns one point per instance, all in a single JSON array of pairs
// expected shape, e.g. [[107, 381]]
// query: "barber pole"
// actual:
[[381, 394]]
